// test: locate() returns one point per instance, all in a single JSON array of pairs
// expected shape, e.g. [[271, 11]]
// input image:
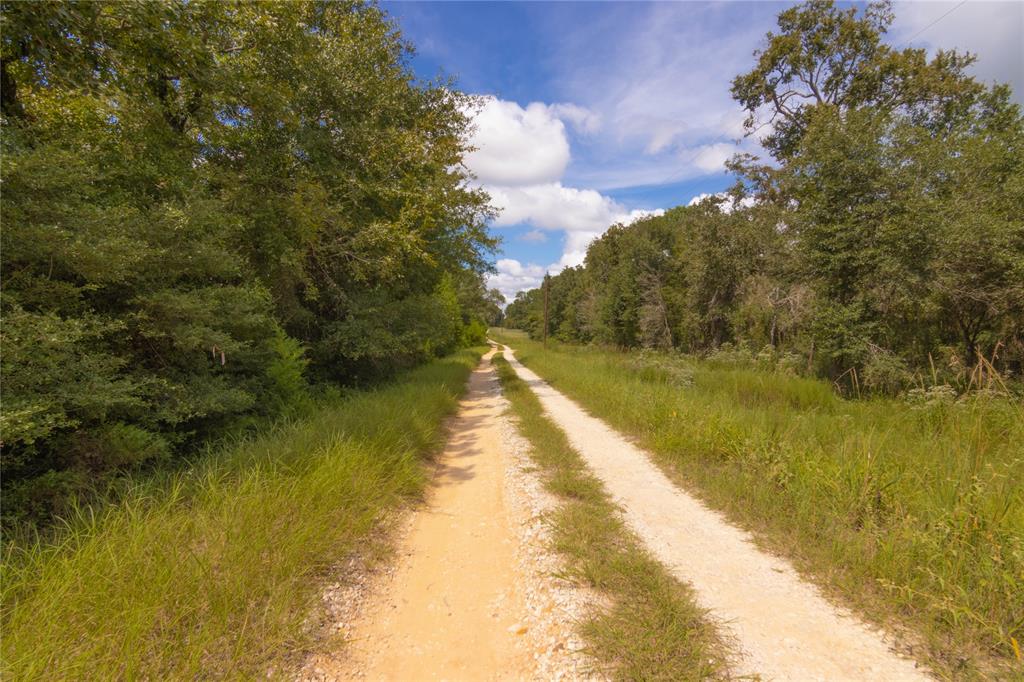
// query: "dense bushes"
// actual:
[[884, 244], [206, 207]]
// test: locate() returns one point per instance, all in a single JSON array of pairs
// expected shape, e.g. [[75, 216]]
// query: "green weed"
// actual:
[[649, 627], [912, 513], [212, 572]]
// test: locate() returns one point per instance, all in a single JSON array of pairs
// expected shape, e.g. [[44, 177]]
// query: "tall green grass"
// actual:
[[912, 514], [213, 572]]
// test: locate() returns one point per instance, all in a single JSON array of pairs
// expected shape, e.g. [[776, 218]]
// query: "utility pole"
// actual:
[[545, 311]]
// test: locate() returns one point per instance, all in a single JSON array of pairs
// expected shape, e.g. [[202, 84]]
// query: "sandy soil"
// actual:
[[472, 596], [784, 628]]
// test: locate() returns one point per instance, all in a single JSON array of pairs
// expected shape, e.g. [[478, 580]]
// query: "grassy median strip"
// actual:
[[649, 627], [212, 572], [912, 512]]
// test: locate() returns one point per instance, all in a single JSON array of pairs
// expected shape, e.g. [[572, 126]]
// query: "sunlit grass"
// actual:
[[212, 572], [913, 515], [647, 626]]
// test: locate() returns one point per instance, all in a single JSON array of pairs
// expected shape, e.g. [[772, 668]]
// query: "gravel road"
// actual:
[[784, 628]]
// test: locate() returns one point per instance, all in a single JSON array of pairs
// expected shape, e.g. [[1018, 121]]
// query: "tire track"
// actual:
[[784, 628]]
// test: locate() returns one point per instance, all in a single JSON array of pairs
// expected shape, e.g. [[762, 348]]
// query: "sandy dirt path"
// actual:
[[472, 596], [783, 627]]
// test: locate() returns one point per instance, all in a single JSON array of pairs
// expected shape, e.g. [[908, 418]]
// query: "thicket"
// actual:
[[208, 207], [881, 245]]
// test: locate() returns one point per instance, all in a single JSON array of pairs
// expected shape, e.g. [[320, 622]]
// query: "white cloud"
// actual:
[[514, 268], [517, 146], [512, 277], [553, 206], [711, 158], [520, 158], [575, 251], [583, 120]]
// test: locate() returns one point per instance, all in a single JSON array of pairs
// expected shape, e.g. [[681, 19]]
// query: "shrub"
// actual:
[[885, 373]]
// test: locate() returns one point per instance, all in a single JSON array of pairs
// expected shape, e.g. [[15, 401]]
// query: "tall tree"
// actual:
[[199, 198], [827, 57]]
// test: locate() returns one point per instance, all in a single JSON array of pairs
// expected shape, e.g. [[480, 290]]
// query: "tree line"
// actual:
[[209, 210], [880, 243]]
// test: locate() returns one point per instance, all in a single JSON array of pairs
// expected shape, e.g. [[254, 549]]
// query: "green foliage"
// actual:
[[287, 370], [889, 231], [214, 572], [199, 200], [474, 334]]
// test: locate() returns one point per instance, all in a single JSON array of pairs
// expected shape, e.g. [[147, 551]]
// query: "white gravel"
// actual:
[[554, 605]]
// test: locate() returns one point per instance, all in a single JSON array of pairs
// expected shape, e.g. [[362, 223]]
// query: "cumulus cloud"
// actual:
[[575, 251], [521, 155], [553, 206], [516, 145], [583, 120], [512, 277]]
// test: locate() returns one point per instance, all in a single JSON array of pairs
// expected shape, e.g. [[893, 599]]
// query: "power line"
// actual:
[[955, 8]]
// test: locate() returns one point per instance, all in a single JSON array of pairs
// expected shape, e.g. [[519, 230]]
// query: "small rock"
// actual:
[[518, 629]]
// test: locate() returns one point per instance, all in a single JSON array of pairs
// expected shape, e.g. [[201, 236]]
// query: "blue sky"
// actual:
[[600, 112]]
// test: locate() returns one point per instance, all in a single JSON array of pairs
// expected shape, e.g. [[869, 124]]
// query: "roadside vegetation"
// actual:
[[213, 572], [207, 208], [910, 510], [647, 626]]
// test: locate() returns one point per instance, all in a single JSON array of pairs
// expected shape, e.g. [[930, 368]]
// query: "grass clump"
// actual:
[[910, 510], [213, 572], [650, 628]]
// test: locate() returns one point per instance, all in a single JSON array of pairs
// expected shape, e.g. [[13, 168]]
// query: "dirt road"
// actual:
[[472, 596], [782, 626]]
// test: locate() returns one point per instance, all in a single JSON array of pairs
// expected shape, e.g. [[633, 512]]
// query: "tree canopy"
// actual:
[[885, 239], [207, 206], [826, 58]]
